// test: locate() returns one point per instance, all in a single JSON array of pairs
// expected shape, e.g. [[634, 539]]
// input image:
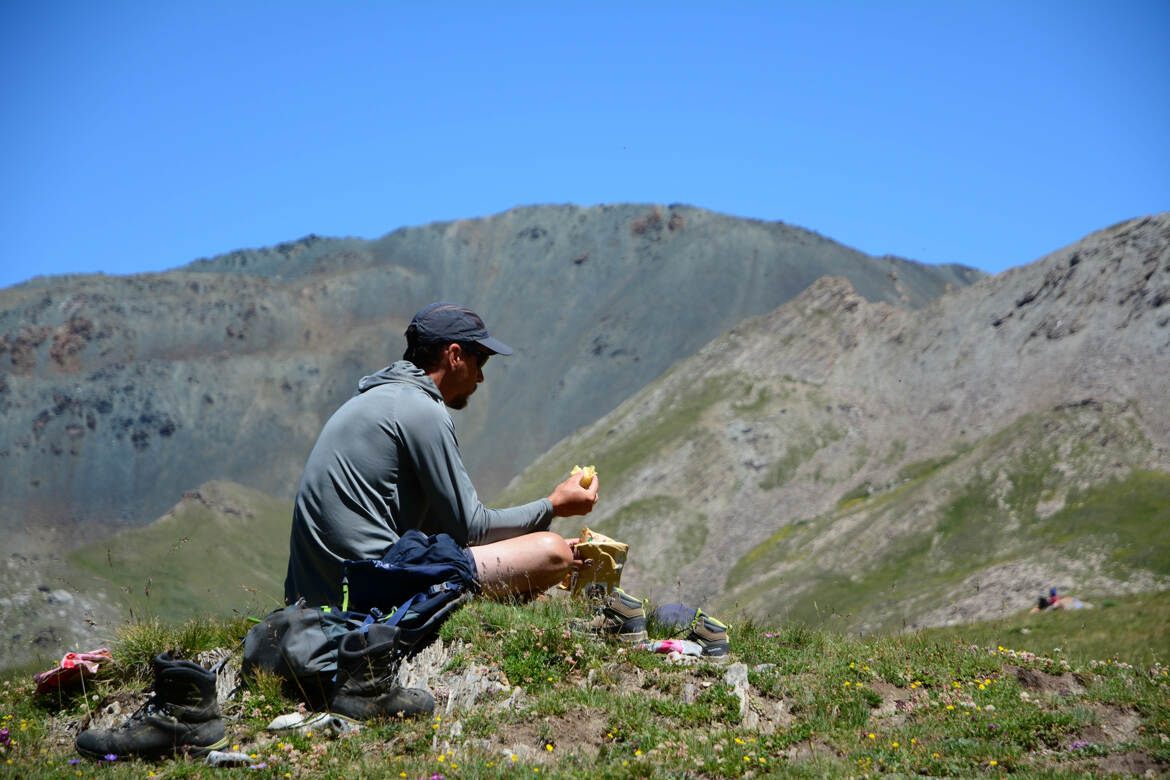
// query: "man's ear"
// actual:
[[452, 352]]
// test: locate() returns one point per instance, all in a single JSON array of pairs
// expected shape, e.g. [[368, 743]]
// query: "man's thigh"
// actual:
[[524, 564]]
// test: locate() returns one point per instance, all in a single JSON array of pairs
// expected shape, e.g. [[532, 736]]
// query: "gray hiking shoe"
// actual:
[[620, 616], [367, 678], [711, 634], [182, 717]]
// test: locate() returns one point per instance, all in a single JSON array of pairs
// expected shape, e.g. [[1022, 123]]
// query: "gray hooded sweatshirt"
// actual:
[[385, 462]]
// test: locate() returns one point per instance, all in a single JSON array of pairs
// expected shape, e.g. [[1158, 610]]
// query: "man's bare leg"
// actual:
[[523, 566]]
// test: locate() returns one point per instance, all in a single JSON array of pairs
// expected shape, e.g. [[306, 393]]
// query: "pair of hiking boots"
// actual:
[[183, 715], [622, 617]]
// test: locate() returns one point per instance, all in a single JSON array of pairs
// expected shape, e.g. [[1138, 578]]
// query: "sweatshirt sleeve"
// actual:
[[453, 506]]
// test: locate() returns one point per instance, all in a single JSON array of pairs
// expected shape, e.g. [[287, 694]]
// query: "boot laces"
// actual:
[[689, 627], [148, 709]]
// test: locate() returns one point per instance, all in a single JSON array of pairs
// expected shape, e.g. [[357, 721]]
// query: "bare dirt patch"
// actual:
[[1117, 725], [896, 703], [1134, 762], [581, 731], [810, 750], [1033, 680], [771, 714]]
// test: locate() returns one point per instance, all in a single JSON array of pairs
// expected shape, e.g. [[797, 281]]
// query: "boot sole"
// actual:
[[194, 751], [90, 754], [718, 653], [631, 638], [198, 751]]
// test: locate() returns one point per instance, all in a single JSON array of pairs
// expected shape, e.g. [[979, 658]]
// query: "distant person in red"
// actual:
[[1045, 601], [1052, 601]]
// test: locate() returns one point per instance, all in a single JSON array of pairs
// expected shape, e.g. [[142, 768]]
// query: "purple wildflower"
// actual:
[[75, 761], [5, 739], [1080, 743], [110, 757]]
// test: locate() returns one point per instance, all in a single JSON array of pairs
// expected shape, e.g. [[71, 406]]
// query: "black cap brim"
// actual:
[[495, 345]]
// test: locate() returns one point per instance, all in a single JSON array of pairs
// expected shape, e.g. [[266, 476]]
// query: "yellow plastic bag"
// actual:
[[608, 557]]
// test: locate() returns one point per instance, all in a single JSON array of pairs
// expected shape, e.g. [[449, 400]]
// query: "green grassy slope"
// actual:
[[1134, 629], [1126, 520], [808, 703], [222, 552]]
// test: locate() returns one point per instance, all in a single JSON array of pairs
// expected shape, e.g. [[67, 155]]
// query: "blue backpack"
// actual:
[[415, 587]]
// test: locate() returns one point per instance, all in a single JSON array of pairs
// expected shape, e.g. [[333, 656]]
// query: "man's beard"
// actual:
[[458, 403]]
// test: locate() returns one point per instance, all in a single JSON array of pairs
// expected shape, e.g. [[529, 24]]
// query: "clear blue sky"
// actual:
[[138, 136]]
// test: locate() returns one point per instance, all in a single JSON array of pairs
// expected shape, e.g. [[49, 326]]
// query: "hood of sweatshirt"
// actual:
[[404, 372]]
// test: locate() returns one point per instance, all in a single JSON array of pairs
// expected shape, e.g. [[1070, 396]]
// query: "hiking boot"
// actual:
[[367, 678], [182, 717], [711, 635], [620, 616]]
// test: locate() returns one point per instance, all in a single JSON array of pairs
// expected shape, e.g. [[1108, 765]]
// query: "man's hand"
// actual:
[[569, 498], [579, 563]]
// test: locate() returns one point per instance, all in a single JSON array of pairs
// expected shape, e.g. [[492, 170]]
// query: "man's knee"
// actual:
[[554, 549]]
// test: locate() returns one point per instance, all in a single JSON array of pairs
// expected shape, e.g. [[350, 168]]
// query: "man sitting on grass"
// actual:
[[388, 461]]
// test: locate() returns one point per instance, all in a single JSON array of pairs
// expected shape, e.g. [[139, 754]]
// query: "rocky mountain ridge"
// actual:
[[117, 394], [893, 467]]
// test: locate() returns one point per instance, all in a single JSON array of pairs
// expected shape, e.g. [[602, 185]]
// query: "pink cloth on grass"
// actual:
[[72, 667], [682, 646]]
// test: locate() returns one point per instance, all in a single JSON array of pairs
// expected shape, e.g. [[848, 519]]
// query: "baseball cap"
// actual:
[[444, 322]]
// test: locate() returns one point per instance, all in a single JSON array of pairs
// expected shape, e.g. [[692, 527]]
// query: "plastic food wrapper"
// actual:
[[608, 558], [666, 646], [227, 758], [307, 723], [73, 666]]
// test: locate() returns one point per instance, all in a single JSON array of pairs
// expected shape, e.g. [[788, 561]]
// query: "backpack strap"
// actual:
[[400, 611], [374, 615]]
